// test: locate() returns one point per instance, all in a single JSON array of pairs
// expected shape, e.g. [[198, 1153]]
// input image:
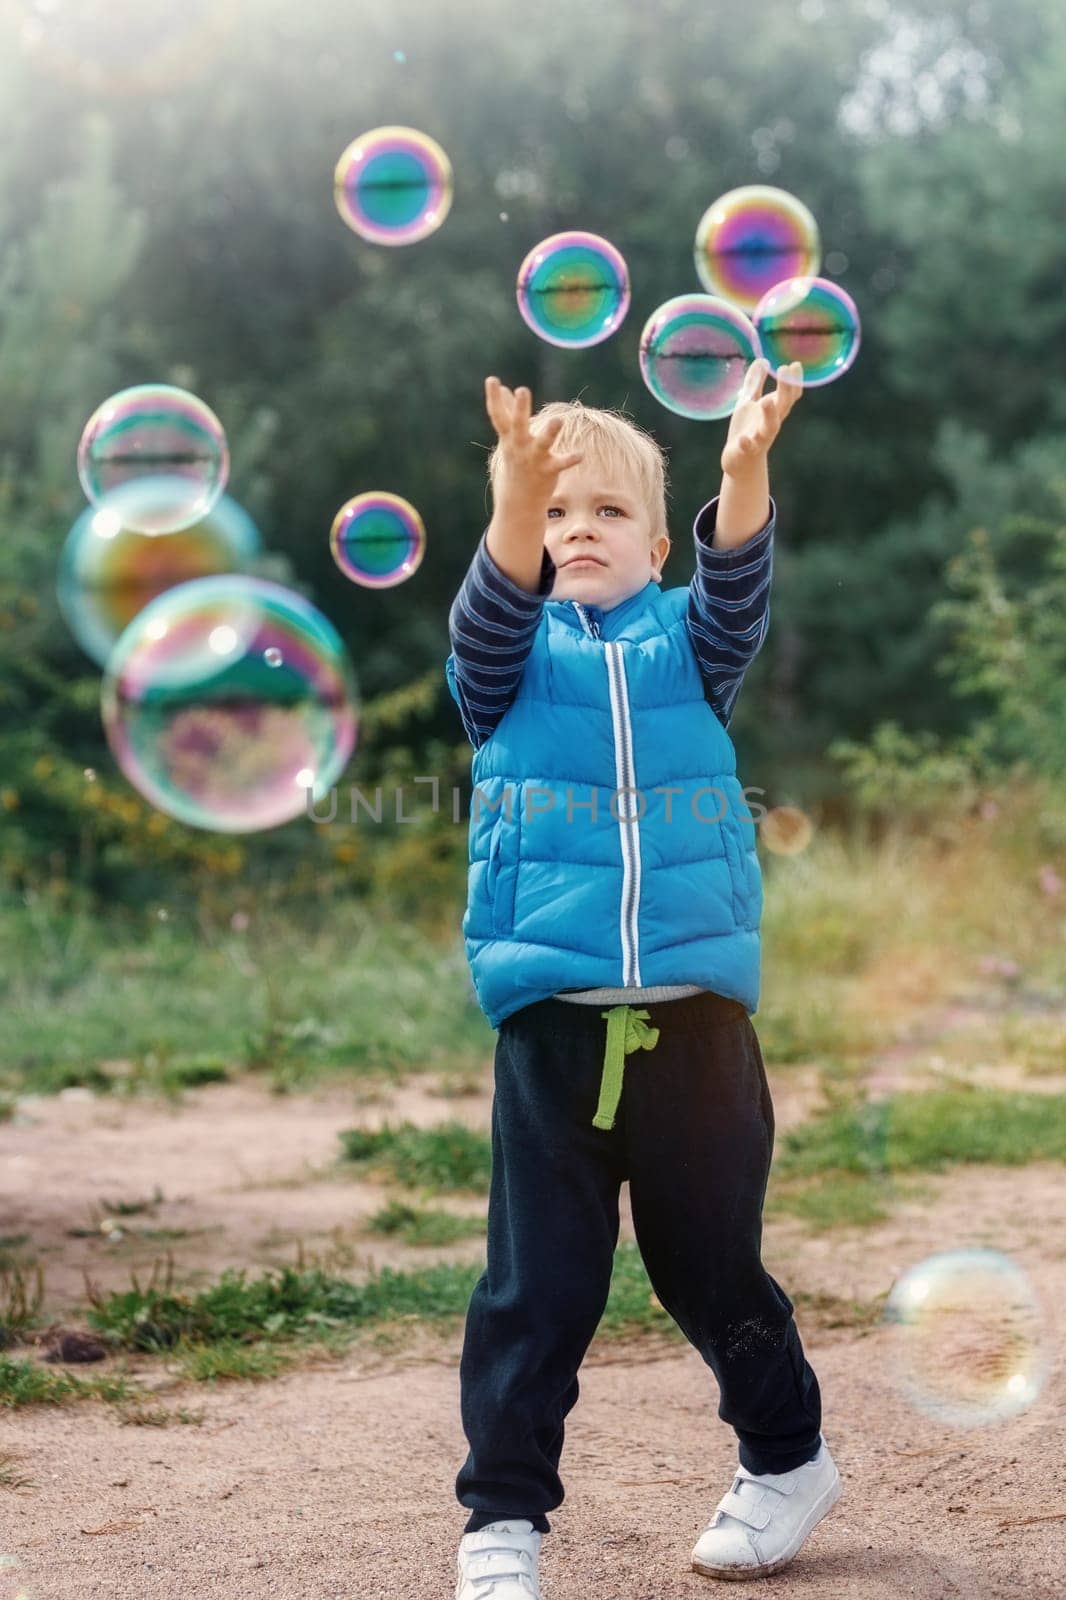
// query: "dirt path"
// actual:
[[338, 1480]]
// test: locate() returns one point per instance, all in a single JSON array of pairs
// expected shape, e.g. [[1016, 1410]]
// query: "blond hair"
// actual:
[[614, 443]]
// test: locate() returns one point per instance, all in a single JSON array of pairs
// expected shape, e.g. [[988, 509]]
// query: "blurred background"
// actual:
[[166, 215]]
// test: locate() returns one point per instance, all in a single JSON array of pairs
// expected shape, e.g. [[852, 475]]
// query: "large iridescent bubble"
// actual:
[[378, 539], [230, 704], [968, 1337], [752, 238], [810, 320], [159, 456], [573, 289], [393, 185], [108, 573], [694, 352]]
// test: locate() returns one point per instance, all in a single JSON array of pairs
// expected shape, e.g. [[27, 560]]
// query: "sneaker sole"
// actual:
[[737, 1574]]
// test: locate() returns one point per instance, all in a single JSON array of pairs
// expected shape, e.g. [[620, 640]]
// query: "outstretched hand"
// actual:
[[757, 418], [529, 463]]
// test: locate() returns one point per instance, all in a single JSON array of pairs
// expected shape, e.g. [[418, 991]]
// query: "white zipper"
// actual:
[[628, 811]]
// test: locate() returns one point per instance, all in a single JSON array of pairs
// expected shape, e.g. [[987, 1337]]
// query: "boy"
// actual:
[[613, 911]]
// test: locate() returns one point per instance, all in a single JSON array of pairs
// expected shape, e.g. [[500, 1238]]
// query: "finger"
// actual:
[[781, 399], [754, 379], [790, 383], [520, 415], [564, 463], [547, 435], [494, 405]]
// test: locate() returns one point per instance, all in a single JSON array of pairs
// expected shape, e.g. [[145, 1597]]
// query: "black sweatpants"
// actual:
[[693, 1134]]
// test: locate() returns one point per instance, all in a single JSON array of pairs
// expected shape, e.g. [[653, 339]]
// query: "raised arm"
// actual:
[[496, 612], [729, 597], [526, 475]]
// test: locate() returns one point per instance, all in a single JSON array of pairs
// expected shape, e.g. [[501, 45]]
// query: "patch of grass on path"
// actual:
[[415, 1225], [447, 1157], [840, 1169], [927, 1131], [25, 1383], [241, 1329]]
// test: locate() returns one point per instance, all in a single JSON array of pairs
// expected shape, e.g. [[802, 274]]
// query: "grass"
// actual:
[[24, 1383], [146, 1416], [415, 1225], [21, 1297], [849, 1165], [926, 1132], [447, 1157], [11, 1476], [356, 993]]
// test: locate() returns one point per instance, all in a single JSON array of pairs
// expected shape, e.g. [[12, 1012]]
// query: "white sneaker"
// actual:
[[499, 1562], [765, 1517]]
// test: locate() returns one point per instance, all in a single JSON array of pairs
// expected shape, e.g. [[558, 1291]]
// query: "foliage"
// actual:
[[185, 232]]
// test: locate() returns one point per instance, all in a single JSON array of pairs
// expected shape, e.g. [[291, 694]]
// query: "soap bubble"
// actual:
[[969, 1337], [208, 729], [377, 539], [573, 289], [810, 320], [393, 185], [158, 454], [108, 572], [752, 238], [694, 353]]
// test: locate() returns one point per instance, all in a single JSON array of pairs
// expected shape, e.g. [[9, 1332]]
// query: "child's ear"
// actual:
[[659, 552]]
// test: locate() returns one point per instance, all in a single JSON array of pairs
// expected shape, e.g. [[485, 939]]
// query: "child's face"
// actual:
[[599, 536]]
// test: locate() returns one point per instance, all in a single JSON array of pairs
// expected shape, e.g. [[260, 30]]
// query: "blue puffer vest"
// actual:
[[610, 842]]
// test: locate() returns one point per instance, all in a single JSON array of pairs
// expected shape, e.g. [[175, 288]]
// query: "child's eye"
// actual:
[[554, 511], [616, 509]]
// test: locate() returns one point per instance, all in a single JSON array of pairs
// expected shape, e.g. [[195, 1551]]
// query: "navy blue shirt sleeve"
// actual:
[[729, 607], [491, 627]]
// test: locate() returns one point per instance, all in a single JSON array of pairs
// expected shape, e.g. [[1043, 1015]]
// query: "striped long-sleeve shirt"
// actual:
[[492, 622]]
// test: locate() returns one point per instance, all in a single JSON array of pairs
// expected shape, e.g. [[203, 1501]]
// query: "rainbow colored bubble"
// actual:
[[230, 704], [159, 456], [812, 321], [393, 185], [108, 573], [752, 238], [378, 539], [573, 289], [968, 1337], [694, 353]]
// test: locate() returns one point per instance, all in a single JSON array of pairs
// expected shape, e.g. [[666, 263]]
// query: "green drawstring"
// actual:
[[627, 1030]]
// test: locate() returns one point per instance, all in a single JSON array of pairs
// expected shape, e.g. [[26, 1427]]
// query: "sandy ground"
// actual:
[[338, 1480]]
